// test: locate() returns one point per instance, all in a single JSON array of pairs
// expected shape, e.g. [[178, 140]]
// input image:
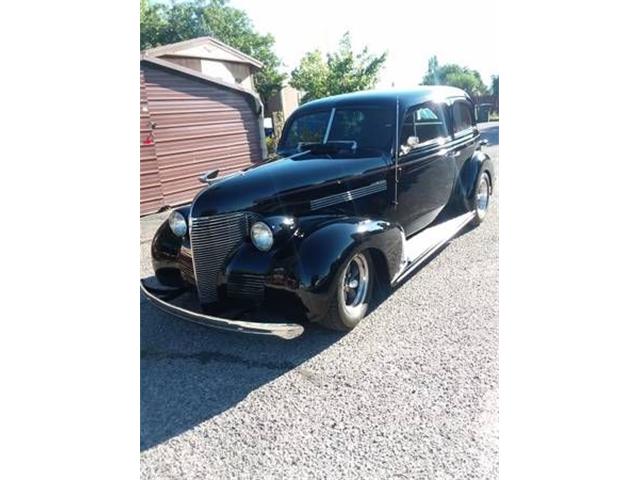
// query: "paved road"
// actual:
[[411, 393]]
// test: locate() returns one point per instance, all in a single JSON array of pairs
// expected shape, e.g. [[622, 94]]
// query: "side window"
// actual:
[[462, 116], [347, 125], [429, 124], [424, 122], [306, 128], [369, 126]]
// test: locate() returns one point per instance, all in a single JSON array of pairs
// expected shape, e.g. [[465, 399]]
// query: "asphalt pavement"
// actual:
[[412, 392]]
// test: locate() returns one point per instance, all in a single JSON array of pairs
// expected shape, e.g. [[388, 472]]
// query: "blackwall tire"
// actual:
[[351, 294]]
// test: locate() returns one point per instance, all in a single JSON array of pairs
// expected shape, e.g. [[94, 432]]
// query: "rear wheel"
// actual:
[[352, 293], [481, 196]]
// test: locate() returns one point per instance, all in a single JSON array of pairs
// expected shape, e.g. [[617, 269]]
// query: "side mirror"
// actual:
[[209, 177], [412, 141]]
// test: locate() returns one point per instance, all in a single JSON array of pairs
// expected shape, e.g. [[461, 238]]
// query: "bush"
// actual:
[[271, 145]]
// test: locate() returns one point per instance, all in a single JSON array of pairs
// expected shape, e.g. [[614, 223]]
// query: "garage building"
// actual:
[[191, 123]]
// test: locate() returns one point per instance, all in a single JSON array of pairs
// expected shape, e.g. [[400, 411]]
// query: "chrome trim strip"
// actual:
[[459, 141], [287, 331], [376, 187], [396, 153], [439, 141], [463, 133], [432, 149]]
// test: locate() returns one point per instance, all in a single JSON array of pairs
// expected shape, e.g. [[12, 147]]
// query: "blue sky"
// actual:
[[410, 31]]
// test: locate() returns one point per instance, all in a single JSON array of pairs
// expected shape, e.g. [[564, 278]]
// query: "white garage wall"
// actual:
[[228, 72]]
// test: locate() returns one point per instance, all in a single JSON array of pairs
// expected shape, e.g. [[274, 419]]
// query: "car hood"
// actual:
[[285, 185]]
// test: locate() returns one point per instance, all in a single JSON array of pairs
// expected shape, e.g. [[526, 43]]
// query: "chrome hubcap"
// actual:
[[482, 197], [355, 283]]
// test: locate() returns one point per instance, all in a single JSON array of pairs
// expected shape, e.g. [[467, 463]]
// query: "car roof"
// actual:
[[406, 97]]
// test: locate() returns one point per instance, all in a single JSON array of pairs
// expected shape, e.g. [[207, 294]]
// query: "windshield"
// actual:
[[368, 126]]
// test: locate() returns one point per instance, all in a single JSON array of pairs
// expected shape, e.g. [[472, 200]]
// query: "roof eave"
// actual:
[[174, 49], [193, 73]]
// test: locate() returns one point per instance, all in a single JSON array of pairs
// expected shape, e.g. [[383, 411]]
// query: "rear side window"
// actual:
[[424, 122], [462, 116]]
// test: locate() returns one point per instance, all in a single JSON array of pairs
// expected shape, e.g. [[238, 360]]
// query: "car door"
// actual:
[[426, 173], [465, 131]]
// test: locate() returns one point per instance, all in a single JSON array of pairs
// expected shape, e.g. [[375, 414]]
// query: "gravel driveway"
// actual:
[[411, 393]]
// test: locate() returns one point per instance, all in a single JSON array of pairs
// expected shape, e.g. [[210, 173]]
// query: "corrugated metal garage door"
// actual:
[[199, 126], [150, 188]]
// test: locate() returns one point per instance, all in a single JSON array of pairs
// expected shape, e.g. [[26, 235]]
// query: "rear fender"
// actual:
[[468, 176]]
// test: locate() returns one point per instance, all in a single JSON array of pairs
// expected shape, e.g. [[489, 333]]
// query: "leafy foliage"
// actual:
[[161, 24], [495, 79], [342, 71], [454, 76], [311, 76]]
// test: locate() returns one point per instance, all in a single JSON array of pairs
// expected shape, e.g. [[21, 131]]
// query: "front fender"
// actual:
[[165, 248], [299, 273], [321, 248]]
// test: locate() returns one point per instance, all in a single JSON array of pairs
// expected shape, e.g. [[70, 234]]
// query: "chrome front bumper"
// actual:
[[282, 330]]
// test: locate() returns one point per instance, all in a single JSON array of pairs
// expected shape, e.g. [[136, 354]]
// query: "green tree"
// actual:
[[342, 71], [152, 24], [495, 79], [454, 76], [311, 76], [161, 24], [234, 27], [432, 77]]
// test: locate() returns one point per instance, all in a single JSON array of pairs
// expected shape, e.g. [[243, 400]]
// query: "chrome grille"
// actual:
[[246, 285], [185, 263], [212, 239]]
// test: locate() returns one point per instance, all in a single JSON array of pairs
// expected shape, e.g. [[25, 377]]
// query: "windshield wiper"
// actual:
[[328, 147]]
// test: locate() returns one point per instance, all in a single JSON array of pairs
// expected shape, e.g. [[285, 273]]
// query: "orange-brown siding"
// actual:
[[198, 126], [150, 187]]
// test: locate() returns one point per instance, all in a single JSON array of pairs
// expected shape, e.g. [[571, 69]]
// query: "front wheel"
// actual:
[[352, 293], [481, 196]]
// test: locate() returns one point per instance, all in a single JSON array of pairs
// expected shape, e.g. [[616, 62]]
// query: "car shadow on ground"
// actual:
[[190, 373]]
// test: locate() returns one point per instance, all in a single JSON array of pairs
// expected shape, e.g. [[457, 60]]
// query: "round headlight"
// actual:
[[261, 236], [177, 224]]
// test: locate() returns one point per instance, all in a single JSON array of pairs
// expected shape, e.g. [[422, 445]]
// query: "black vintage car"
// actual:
[[365, 187]]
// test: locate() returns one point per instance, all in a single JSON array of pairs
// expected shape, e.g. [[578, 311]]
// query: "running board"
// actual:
[[423, 245]]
